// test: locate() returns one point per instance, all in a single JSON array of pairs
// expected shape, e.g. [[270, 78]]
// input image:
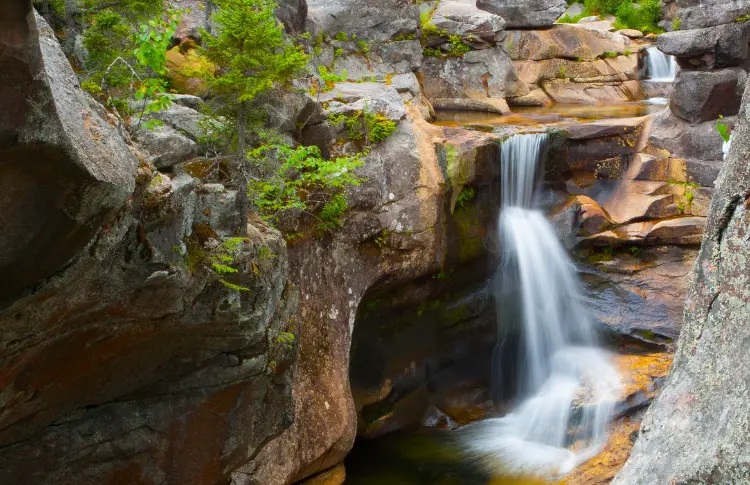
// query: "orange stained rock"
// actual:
[[638, 371], [602, 468]]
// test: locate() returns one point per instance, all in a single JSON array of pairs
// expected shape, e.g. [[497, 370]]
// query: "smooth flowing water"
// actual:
[[566, 384], [661, 67]]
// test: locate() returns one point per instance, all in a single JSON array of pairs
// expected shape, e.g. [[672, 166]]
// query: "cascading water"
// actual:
[[567, 385], [661, 67]]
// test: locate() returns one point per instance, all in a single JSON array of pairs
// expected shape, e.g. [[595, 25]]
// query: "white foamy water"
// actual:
[[659, 101], [567, 384], [661, 67]]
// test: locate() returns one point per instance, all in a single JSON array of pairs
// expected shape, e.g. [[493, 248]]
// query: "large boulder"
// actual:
[[566, 42], [478, 80], [696, 14], [525, 13], [63, 167], [639, 291], [368, 21], [681, 139], [709, 48], [696, 430], [700, 96], [463, 18]]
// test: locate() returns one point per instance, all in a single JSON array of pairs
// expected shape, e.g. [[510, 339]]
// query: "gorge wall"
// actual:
[[124, 360], [695, 432]]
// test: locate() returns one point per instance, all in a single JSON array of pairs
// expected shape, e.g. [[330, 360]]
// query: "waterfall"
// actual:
[[567, 386], [661, 67]]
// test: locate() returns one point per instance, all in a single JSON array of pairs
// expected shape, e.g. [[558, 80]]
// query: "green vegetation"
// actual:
[[686, 203], [643, 15], [466, 195], [329, 79], [303, 181], [245, 56], [676, 23], [365, 126], [126, 44], [723, 130]]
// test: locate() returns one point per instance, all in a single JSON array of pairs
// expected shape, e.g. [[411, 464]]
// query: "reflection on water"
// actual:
[[426, 457], [547, 115]]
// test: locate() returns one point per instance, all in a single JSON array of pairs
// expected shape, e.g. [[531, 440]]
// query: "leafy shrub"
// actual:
[[643, 15], [365, 126], [302, 180]]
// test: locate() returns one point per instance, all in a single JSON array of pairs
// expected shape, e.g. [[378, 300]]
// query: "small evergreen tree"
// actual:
[[251, 55]]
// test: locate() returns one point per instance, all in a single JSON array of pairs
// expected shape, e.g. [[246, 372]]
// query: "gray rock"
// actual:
[[525, 13], [368, 20], [700, 96], [631, 33], [183, 119], [288, 109], [586, 20], [695, 431], [293, 14], [695, 14], [462, 17], [709, 48], [346, 98], [681, 139], [187, 100], [63, 167], [165, 146], [574, 10], [482, 78], [384, 59]]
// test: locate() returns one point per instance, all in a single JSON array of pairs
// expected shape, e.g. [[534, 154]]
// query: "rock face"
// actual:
[[574, 65], [696, 14], [702, 96], [393, 233], [63, 168], [695, 431], [525, 13], [377, 21], [479, 80], [711, 49], [463, 18]]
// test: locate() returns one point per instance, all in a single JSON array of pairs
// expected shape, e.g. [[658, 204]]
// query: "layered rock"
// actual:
[[568, 64], [133, 355], [463, 18], [695, 431]]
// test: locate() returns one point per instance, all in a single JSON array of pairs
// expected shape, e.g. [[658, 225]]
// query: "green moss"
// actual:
[[470, 235]]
